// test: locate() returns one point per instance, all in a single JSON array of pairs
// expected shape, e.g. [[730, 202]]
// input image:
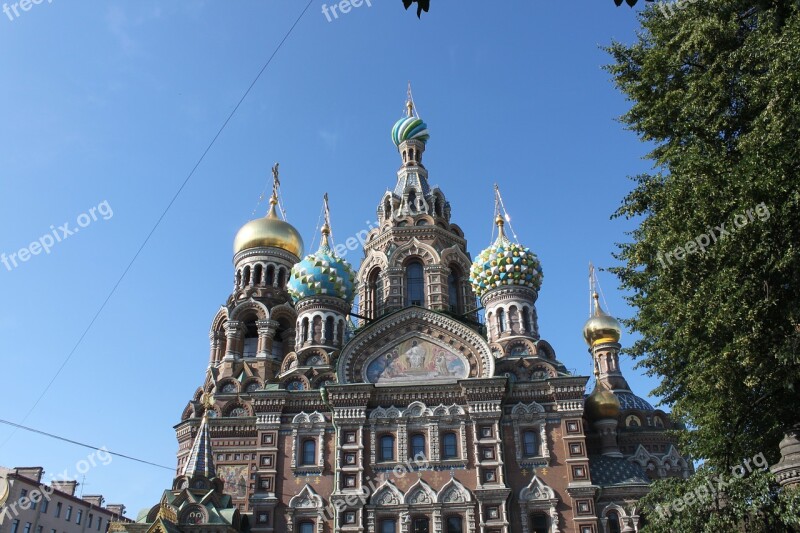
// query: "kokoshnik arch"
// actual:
[[301, 409]]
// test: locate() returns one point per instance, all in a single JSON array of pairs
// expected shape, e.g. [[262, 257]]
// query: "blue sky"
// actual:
[[115, 101]]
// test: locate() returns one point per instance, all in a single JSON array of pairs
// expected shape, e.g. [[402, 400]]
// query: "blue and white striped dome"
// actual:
[[408, 128], [322, 273]]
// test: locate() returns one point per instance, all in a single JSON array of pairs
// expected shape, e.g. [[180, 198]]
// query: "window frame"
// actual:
[[453, 454]]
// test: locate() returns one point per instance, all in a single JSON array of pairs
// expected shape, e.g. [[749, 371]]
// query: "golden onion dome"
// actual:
[[601, 404], [269, 231], [601, 327]]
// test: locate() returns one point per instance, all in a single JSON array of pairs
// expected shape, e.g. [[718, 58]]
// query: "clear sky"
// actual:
[[109, 105]]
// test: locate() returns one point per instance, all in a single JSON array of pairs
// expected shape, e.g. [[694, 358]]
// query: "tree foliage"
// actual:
[[715, 89]]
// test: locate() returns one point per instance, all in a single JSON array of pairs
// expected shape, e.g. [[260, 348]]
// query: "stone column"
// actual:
[[266, 334], [234, 331], [216, 338]]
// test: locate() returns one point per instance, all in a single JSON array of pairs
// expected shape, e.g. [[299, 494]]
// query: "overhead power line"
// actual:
[[157, 224]]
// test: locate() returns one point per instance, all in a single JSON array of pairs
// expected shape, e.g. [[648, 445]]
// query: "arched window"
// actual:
[[526, 320], [454, 290], [530, 447], [613, 522], [257, 275], [388, 526], [281, 277], [330, 330], [387, 448], [246, 276], [539, 523], [449, 446], [306, 527], [374, 293], [455, 524], [418, 446], [238, 278], [415, 284], [501, 320], [304, 331], [270, 275], [309, 452]]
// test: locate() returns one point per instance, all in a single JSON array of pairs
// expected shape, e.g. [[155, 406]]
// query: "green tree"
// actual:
[[713, 269]]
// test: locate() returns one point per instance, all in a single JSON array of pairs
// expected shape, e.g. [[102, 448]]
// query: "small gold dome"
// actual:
[[601, 404], [269, 231], [601, 327]]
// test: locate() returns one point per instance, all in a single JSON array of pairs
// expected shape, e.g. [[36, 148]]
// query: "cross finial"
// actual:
[[276, 182], [410, 102], [326, 226]]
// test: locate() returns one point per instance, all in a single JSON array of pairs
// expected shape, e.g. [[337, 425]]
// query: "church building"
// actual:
[[432, 404]]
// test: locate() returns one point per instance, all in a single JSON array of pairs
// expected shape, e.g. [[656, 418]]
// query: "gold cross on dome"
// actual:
[[524, 472]]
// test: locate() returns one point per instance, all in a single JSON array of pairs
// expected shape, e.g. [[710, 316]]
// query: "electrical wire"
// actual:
[[158, 223]]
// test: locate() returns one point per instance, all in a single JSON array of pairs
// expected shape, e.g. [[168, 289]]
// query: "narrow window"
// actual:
[[421, 525], [449, 448], [613, 522], [58, 510], [415, 284], [79, 516], [526, 320], [329, 330], [309, 452], [14, 526], [455, 524], [530, 447], [417, 446], [539, 523], [387, 448], [375, 288], [453, 291], [68, 516]]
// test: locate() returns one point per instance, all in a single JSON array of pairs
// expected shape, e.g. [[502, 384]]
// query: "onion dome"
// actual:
[[601, 327], [269, 231], [601, 404], [505, 263], [410, 128], [322, 273]]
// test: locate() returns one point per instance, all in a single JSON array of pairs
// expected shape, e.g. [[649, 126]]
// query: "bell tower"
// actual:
[[416, 256]]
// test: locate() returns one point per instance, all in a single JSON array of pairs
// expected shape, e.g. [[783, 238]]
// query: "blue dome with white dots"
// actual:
[[322, 273]]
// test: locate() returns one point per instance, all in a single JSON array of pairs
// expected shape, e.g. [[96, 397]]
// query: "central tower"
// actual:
[[415, 257]]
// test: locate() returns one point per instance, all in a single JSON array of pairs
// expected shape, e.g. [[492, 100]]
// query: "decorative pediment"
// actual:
[[387, 495], [527, 411], [309, 420], [642, 456], [378, 413], [415, 345], [537, 490], [454, 492], [306, 499], [420, 494], [417, 410]]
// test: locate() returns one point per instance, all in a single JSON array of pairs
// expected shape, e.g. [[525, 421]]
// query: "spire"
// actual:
[[273, 200], [326, 227], [201, 457], [410, 102]]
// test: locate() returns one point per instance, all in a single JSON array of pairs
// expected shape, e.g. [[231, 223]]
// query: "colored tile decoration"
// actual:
[[322, 273], [628, 400], [408, 128], [505, 263]]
